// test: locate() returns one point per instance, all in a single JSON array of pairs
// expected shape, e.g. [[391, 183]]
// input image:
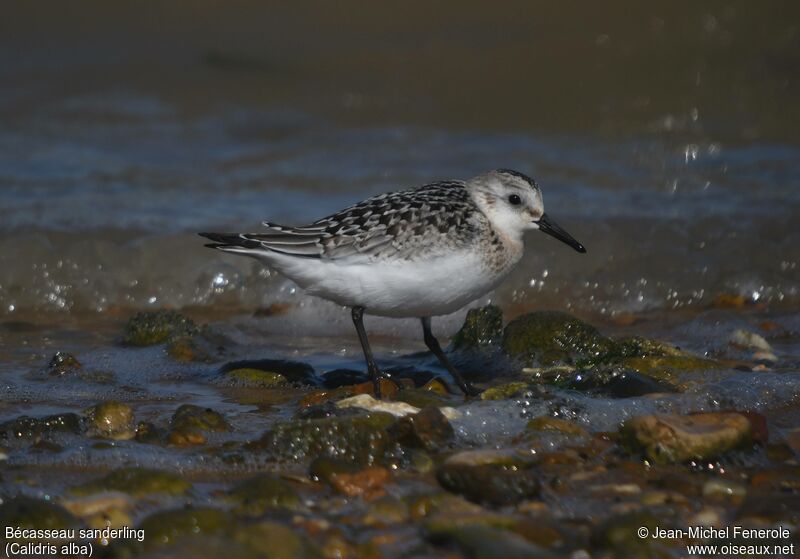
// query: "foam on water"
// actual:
[[495, 423]]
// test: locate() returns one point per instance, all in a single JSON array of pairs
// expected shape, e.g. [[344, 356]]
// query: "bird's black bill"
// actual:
[[552, 229]]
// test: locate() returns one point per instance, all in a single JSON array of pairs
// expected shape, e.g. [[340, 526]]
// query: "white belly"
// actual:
[[397, 289]]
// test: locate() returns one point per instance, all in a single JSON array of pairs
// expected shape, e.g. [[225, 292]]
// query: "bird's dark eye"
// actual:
[[514, 200]]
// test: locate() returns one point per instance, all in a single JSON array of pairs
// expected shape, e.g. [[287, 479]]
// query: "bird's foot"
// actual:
[[470, 390], [381, 384]]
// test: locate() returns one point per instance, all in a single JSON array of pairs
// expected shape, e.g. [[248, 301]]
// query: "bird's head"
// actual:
[[513, 204]]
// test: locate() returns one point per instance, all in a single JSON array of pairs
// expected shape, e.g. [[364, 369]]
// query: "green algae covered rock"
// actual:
[[325, 468], [504, 391], [556, 425], [487, 542], [63, 363], [360, 438], [189, 349], [256, 378], [194, 546], [137, 482], [669, 367], [275, 541], [551, 338], [267, 373], [155, 327], [29, 513], [563, 350], [110, 420], [255, 496], [166, 527], [490, 477], [31, 428], [620, 535], [678, 438], [189, 416], [427, 505], [190, 423], [482, 327]]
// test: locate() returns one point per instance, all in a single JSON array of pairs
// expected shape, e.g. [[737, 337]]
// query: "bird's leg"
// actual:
[[374, 372], [433, 345]]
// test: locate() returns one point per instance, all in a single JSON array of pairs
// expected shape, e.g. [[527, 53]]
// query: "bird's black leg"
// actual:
[[433, 345], [374, 372]]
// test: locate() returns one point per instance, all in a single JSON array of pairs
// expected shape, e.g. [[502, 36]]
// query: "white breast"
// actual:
[[401, 288]]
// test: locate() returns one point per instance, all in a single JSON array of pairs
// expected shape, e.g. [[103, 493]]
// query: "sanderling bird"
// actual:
[[419, 253]]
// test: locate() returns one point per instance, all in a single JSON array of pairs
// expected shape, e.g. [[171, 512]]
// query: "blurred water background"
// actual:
[[664, 135]]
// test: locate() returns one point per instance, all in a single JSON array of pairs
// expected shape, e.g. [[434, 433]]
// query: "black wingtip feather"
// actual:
[[233, 240]]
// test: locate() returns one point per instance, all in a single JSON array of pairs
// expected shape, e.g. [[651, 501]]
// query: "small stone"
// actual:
[[386, 511], [32, 428], [678, 438], [29, 513], [543, 532], [187, 437], [617, 382], [489, 457], [779, 452], [707, 517], [724, 489], [486, 542], [749, 340], [63, 363], [389, 389], [783, 479], [367, 402], [449, 505], [490, 477], [765, 356], [137, 482], [669, 368], [148, 433], [169, 526], [189, 416], [616, 489], [368, 482], [360, 438], [482, 327], [275, 541], [620, 533], [256, 378], [102, 509], [548, 423], [268, 373], [421, 398], [428, 429], [436, 386], [324, 468], [155, 327], [343, 377], [110, 420], [265, 492], [188, 349], [505, 391]]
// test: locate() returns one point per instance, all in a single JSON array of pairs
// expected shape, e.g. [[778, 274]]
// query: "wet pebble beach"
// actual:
[[189, 438]]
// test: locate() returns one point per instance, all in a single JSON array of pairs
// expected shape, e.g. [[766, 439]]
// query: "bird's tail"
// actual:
[[231, 242]]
